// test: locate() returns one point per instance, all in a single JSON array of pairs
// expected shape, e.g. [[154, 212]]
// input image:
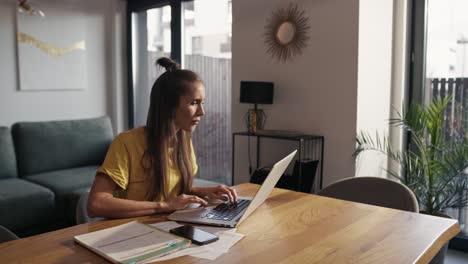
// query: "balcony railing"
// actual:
[[455, 123], [212, 138]]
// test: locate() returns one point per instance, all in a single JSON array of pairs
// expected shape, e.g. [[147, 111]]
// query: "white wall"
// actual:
[[106, 72], [315, 93], [374, 79]]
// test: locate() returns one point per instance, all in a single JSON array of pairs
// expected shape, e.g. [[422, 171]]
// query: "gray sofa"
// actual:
[[44, 169], [44, 166]]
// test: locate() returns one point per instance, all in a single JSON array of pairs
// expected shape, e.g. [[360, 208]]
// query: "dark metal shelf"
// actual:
[[277, 135], [309, 146]]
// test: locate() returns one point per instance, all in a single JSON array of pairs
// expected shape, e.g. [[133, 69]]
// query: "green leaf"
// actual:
[[433, 169]]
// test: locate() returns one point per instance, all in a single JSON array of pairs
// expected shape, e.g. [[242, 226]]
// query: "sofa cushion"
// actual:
[[63, 183], [56, 145], [24, 204], [7, 155]]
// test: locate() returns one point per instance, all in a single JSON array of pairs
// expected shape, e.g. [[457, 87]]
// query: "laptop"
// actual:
[[229, 214]]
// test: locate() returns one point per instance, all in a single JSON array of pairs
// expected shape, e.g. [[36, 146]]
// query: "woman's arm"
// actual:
[[102, 203]]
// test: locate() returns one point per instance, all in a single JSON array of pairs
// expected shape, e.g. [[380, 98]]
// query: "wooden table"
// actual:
[[290, 227]]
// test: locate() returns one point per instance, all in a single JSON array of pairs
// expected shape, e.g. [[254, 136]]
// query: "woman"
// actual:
[[150, 169]]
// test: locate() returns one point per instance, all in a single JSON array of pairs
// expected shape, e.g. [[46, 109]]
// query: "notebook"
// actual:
[[133, 242]]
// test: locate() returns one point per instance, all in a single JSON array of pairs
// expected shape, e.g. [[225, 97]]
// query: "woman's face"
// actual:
[[190, 108]]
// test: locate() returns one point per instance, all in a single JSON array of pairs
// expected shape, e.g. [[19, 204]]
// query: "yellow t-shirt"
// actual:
[[123, 163]]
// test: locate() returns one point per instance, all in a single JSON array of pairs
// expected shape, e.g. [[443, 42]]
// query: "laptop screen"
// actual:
[[268, 185]]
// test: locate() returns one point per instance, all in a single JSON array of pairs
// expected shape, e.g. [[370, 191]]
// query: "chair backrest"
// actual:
[[82, 210], [7, 155], [57, 145], [374, 191], [6, 235]]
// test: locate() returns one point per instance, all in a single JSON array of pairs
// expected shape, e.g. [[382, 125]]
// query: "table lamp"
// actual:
[[256, 93]]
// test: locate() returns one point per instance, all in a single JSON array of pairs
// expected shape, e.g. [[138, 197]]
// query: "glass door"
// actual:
[[196, 34], [151, 39], [447, 63], [206, 49], [445, 74]]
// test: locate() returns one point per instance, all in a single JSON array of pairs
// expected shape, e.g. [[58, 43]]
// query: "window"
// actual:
[[151, 39], [198, 37], [197, 45], [207, 51], [229, 12], [440, 69]]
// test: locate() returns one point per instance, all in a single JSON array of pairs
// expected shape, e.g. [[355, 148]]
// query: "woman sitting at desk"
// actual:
[[150, 169]]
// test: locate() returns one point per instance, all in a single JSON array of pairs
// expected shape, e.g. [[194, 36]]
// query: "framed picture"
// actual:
[[51, 37]]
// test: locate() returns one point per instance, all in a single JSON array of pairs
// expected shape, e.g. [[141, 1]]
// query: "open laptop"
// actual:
[[229, 214]]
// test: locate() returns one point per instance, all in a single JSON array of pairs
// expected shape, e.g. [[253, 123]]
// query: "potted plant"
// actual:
[[433, 168]]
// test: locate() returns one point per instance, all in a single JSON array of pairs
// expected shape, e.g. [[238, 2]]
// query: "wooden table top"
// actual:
[[290, 227]]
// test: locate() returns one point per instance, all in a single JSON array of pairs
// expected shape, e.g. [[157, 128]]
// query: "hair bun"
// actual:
[[168, 64]]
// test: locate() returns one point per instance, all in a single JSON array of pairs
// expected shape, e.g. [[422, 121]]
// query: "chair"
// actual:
[[82, 210], [373, 191], [6, 235]]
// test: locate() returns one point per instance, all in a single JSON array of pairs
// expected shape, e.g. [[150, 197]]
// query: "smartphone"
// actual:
[[197, 236]]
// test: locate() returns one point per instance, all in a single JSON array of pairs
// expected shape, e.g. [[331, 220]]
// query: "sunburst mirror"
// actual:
[[286, 33]]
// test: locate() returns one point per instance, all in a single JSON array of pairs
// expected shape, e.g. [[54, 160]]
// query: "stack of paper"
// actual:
[[227, 238]]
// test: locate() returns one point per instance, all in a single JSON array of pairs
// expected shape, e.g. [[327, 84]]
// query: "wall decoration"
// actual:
[[51, 45], [286, 33]]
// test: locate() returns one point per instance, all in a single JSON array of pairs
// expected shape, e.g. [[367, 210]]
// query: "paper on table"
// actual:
[[227, 238], [216, 249]]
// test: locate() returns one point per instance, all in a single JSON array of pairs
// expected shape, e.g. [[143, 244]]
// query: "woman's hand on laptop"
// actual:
[[182, 201], [221, 192]]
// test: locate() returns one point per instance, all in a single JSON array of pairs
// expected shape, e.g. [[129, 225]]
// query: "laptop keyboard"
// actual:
[[227, 211]]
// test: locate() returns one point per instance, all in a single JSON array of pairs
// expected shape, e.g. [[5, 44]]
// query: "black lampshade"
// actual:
[[256, 92]]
